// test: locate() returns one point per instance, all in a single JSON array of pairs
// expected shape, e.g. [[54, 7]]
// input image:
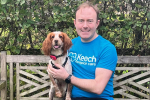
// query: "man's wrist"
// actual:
[[66, 76], [68, 79]]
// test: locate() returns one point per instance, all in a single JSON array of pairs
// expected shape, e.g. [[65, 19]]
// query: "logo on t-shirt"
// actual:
[[84, 60]]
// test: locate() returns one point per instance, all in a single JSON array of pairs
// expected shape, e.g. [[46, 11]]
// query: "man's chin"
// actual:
[[84, 36]]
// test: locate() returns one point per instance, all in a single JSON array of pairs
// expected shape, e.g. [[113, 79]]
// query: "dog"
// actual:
[[56, 45]]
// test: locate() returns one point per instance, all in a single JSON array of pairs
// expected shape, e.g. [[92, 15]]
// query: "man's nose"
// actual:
[[85, 24]]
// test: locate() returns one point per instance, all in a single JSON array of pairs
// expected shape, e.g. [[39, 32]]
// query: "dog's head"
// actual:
[[56, 41]]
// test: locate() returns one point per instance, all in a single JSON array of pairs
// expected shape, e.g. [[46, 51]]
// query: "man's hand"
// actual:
[[60, 73]]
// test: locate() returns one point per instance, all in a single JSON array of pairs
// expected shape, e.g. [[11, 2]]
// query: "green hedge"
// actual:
[[24, 24]]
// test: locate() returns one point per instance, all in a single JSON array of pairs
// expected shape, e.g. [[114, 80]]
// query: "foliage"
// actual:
[[25, 24], [126, 24]]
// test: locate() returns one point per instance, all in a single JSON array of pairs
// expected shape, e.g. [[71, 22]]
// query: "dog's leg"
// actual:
[[57, 90], [68, 94], [51, 92]]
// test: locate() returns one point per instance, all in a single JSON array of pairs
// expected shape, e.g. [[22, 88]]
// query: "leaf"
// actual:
[[138, 6], [144, 26], [105, 21], [138, 24], [134, 12], [51, 1], [46, 26], [3, 2], [149, 26], [22, 2], [104, 16], [121, 17], [70, 30], [65, 30], [140, 44], [103, 28], [28, 46], [17, 51], [56, 20], [114, 16], [46, 2], [148, 15], [133, 52], [147, 41], [13, 48]]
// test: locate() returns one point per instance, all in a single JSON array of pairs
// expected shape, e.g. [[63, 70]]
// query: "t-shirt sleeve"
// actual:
[[108, 58]]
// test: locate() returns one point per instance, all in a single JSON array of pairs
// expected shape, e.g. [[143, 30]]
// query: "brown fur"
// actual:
[[46, 47]]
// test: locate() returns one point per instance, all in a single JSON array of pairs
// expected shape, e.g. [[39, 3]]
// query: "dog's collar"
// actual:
[[63, 65], [53, 57]]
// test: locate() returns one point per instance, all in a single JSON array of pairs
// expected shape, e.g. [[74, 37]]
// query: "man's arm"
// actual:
[[96, 85]]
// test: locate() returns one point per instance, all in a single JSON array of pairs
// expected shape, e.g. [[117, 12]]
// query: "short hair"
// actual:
[[88, 4]]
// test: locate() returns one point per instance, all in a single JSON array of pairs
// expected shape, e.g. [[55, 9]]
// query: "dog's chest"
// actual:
[[59, 61]]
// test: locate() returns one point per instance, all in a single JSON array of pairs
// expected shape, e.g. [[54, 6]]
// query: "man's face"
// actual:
[[86, 23]]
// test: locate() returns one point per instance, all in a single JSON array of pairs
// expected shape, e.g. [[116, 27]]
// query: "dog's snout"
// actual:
[[56, 41]]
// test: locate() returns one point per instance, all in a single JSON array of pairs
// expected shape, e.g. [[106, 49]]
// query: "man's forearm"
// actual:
[[89, 85], [96, 85]]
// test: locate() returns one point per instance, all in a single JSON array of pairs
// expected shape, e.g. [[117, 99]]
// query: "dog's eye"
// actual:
[[52, 36], [60, 36]]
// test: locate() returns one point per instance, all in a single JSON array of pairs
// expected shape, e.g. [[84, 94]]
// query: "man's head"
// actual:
[[86, 21], [88, 4]]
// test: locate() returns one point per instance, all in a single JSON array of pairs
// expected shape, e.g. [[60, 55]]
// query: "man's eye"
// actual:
[[90, 21], [80, 20]]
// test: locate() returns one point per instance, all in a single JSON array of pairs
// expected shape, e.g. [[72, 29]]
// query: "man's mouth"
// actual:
[[85, 31]]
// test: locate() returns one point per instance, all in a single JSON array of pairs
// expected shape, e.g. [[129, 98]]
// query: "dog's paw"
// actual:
[[58, 94], [68, 98]]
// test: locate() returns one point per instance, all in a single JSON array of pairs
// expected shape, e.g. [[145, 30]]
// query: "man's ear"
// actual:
[[98, 22], [75, 22]]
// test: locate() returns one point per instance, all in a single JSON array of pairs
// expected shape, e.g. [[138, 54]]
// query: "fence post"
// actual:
[[3, 75]]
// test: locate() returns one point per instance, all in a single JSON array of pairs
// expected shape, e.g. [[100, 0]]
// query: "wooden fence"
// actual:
[[29, 79]]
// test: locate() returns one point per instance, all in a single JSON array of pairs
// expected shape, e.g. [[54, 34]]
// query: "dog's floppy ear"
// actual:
[[47, 44], [67, 43]]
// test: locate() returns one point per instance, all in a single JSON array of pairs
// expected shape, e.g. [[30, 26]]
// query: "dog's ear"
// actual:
[[67, 43], [47, 44]]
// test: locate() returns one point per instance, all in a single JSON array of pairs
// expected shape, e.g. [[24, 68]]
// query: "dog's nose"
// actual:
[[56, 41]]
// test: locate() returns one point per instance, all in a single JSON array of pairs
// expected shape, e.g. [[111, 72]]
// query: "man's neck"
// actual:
[[90, 39]]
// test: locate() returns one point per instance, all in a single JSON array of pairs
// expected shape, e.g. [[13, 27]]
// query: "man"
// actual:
[[93, 59]]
